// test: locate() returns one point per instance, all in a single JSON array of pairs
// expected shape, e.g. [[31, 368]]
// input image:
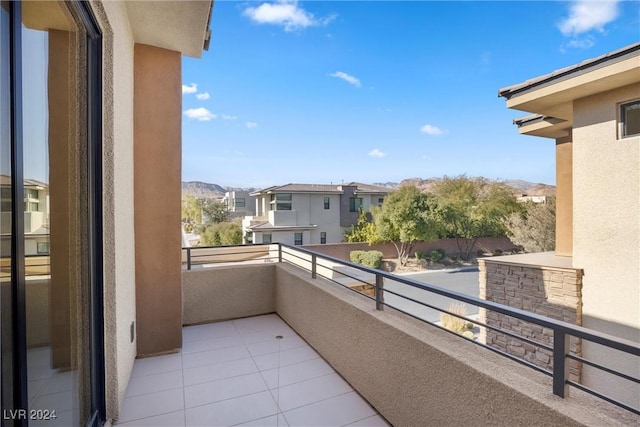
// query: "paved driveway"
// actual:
[[464, 281]]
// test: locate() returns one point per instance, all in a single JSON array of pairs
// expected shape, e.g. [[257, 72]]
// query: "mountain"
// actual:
[[519, 186], [204, 190]]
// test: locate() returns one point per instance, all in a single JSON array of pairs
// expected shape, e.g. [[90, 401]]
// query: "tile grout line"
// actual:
[[184, 398], [278, 409]]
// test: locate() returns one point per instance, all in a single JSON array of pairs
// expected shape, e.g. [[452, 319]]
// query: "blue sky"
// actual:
[[324, 92]]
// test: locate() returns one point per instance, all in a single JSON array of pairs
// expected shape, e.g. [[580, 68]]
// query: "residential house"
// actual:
[[591, 112], [309, 213], [239, 203]]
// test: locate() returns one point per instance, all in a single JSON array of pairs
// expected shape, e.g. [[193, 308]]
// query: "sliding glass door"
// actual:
[[51, 259]]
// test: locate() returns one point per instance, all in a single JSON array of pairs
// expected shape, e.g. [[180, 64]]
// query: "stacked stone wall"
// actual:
[[547, 291]]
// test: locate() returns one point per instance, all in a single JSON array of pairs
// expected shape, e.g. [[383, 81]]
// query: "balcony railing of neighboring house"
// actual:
[[371, 283]]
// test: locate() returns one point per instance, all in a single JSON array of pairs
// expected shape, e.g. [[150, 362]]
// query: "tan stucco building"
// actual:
[[591, 111]]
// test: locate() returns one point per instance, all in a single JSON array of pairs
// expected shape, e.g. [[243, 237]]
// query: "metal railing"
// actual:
[[325, 266]]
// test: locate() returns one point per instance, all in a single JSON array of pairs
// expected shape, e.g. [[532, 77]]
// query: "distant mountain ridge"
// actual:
[[204, 190], [520, 187]]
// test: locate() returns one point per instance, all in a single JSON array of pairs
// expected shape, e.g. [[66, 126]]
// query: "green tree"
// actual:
[[470, 208], [535, 228], [405, 217], [223, 233], [191, 212], [363, 231], [214, 211]]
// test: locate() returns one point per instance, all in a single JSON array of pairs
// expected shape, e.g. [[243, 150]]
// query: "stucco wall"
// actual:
[[157, 190], [227, 293], [119, 265], [606, 231]]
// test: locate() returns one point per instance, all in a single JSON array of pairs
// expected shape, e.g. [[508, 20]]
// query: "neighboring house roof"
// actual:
[[321, 188], [5, 180], [266, 226], [572, 71]]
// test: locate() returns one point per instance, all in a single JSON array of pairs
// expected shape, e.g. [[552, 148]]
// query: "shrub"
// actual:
[[454, 323], [436, 255], [497, 252], [419, 255], [371, 259]]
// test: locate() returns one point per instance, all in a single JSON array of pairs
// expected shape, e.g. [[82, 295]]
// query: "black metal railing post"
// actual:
[[313, 266], [188, 258], [379, 292], [561, 346], [279, 252]]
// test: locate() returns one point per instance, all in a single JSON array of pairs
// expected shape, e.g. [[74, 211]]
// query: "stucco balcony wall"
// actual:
[[411, 372], [223, 293]]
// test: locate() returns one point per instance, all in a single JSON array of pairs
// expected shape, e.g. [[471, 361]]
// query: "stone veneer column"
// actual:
[[548, 291], [157, 194]]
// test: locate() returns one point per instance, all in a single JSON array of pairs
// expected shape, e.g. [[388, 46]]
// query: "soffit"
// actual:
[[556, 99], [181, 26]]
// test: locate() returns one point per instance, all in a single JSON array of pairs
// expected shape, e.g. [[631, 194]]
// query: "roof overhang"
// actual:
[[544, 126], [181, 26], [551, 96]]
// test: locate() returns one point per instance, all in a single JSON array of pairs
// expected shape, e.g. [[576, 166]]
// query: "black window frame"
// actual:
[[323, 237], [623, 118], [296, 241], [353, 203], [327, 203]]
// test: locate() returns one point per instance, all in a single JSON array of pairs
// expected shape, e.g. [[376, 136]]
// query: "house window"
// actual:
[[43, 248], [630, 119], [297, 238], [380, 200], [266, 238], [326, 203], [240, 203], [281, 202], [355, 204], [323, 237]]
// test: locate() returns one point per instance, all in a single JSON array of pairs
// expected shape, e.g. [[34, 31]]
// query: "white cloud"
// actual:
[[432, 130], [251, 125], [376, 153], [580, 44], [192, 88], [201, 114], [347, 78], [587, 15], [203, 96], [285, 13], [228, 117]]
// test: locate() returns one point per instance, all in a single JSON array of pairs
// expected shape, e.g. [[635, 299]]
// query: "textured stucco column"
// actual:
[[62, 143], [157, 187], [564, 196]]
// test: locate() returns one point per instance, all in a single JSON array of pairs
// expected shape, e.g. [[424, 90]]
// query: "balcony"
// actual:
[[249, 371], [407, 370]]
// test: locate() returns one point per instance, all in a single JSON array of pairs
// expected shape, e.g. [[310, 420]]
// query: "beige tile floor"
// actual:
[[238, 373]]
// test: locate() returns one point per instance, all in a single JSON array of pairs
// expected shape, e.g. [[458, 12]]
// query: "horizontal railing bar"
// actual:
[[493, 328], [604, 368], [604, 397], [573, 330], [495, 350]]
